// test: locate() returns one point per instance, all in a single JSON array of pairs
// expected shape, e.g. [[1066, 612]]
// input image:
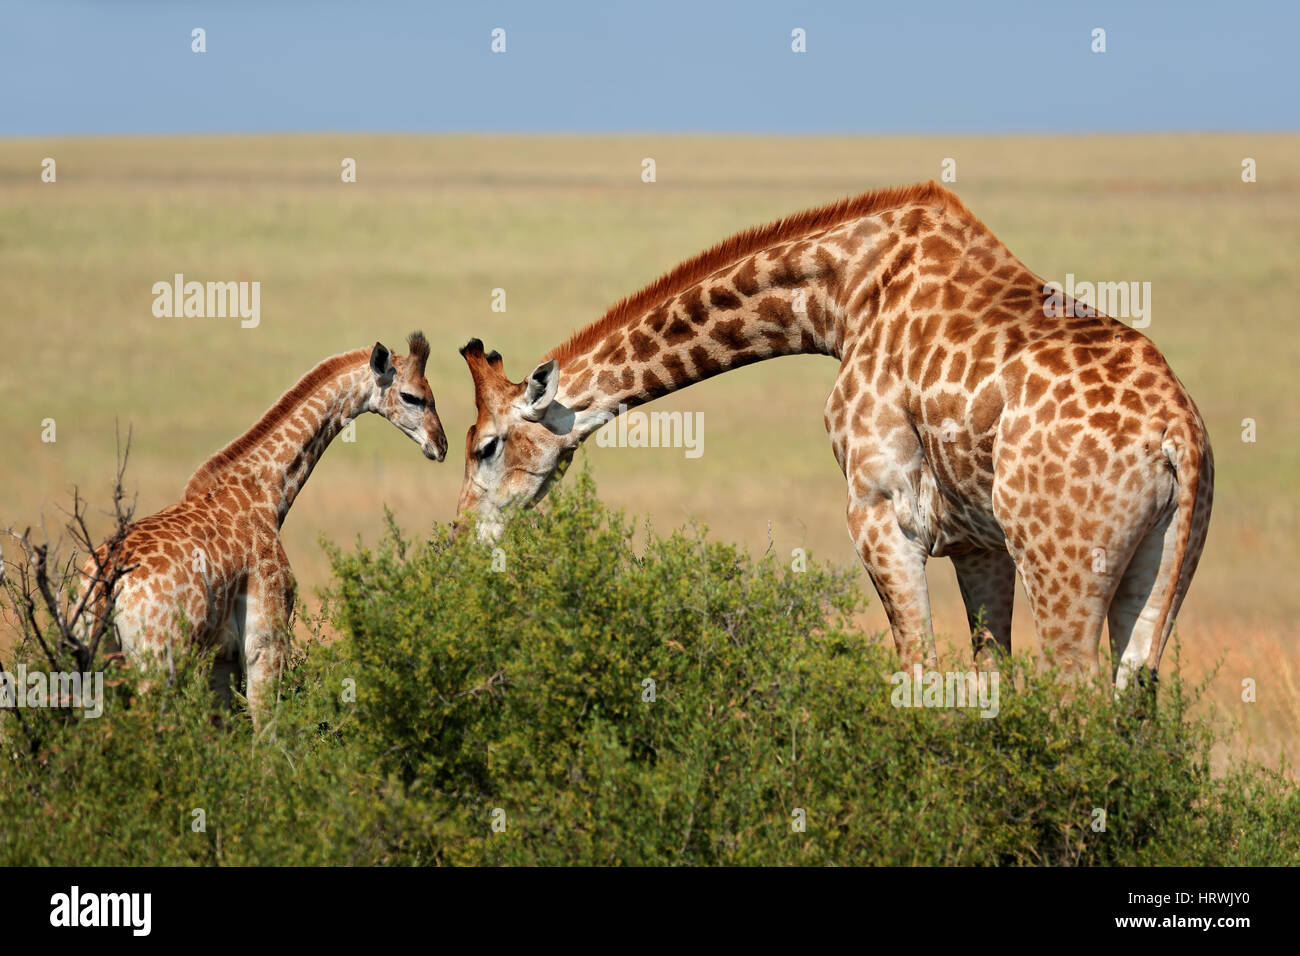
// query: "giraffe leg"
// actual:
[[226, 669], [1135, 609], [1070, 589], [1069, 626], [988, 589], [896, 564], [266, 638]]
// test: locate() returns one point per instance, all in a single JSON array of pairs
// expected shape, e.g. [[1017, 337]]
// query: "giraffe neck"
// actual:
[[787, 299], [272, 460]]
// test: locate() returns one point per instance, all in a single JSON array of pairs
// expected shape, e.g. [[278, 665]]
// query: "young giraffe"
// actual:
[[214, 561], [968, 422]]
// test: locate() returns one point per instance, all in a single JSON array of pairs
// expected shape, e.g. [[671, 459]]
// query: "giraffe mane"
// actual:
[[745, 243], [210, 470]]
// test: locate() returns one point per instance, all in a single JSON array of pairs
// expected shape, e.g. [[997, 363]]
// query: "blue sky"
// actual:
[[125, 66]]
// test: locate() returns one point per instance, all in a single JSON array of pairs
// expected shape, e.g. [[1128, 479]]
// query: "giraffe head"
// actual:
[[522, 440], [402, 395]]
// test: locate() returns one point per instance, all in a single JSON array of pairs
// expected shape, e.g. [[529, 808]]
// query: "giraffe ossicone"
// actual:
[[212, 565], [969, 421]]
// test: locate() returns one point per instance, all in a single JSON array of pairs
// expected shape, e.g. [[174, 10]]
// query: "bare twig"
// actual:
[[96, 581]]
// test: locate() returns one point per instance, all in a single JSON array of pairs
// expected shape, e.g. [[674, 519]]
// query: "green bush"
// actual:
[[471, 687], [122, 789], [514, 681]]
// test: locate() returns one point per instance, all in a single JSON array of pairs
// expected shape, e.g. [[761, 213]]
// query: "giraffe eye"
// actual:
[[412, 399], [487, 449]]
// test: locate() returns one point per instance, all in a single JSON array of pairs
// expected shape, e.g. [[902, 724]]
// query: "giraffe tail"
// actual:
[[1182, 447]]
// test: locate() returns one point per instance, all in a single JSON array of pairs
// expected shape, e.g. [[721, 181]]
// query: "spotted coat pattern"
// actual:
[[968, 422], [212, 567]]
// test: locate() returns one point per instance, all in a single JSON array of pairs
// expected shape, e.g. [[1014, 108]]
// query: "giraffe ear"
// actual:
[[539, 391], [381, 363]]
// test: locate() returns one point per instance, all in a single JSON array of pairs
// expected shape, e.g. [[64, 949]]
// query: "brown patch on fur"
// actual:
[[705, 364], [730, 334], [724, 298], [675, 368], [652, 384], [643, 346], [679, 330]]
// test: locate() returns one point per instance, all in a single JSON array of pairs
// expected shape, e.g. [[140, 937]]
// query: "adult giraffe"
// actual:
[[968, 421], [213, 561]]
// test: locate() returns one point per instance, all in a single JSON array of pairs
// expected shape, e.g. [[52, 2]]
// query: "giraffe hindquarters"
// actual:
[[145, 627], [1089, 547]]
